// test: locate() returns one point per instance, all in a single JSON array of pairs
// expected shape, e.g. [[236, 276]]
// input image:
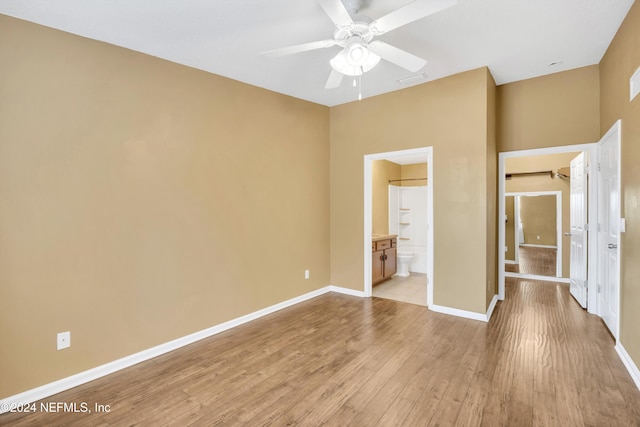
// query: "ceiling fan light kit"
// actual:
[[360, 52], [354, 60]]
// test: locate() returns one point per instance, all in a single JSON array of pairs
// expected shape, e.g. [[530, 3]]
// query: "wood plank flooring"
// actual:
[[338, 360], [534, 260]]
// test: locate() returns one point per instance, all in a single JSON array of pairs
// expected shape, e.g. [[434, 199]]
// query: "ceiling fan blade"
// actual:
[[334, 80], [337, 12], [290, 50], [412, 12], [397, 56]]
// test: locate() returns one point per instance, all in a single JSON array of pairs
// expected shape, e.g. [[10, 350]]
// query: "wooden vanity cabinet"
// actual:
[[383, 259]]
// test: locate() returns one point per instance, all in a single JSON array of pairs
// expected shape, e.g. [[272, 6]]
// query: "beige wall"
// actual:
[[531, 183], [451, 116], [414, 171], [381, 172], [491, 218], [141, 201], [538, 215], [553, 110], [579, 106], [619, 63], [134, 192]]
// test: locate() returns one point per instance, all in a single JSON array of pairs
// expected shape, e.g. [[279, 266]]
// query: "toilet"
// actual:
[[404, 259]]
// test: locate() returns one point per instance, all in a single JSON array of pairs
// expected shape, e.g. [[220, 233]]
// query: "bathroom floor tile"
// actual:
[[412, 289]]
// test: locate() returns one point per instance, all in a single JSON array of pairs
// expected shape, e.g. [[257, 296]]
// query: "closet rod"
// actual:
[[510, 175], [407, 179]]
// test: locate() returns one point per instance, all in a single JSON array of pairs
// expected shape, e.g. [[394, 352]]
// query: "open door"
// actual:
[[578, 221], [609, 228]]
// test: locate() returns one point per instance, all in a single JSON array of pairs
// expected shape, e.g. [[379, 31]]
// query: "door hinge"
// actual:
[[599, 288], [598, 166]]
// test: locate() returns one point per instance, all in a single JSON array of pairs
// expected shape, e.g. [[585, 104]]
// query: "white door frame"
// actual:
[[592, 149], [558, 195], [368, 159]]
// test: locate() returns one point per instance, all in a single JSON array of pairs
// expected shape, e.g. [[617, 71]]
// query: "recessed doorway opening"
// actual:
[[413, 232]]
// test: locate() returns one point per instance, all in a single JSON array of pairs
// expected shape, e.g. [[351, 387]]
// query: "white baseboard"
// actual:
[[531, 245], [508, 261], [628, 363], [346, 291], [467, 314], [537, 277], [492, 305], [63, 384]]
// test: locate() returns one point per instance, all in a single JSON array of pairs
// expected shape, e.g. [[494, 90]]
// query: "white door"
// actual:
[[578, 221], [609, 228]]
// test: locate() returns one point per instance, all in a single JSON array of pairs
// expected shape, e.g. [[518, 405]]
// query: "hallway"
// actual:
[[536, 261]]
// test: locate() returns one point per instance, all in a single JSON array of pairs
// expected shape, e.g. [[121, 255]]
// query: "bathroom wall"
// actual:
[[141, 201], [413, 225], [413, 171], [381, 172]]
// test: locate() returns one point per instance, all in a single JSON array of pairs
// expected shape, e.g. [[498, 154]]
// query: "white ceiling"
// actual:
[[516, 39]]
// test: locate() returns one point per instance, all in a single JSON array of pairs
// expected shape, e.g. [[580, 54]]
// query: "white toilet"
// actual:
[[404, 259]]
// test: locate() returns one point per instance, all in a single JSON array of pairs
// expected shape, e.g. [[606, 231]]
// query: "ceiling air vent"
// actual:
[[412, 79], [634, 84]]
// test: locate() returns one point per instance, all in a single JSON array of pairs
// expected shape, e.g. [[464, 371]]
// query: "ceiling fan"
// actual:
[[355, 34]]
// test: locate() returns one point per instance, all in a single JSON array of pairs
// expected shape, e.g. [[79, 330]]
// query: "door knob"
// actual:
[[567, 234], [612, 246]]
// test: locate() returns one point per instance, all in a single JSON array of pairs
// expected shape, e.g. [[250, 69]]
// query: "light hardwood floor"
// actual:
[[338, 360], [533, 260]]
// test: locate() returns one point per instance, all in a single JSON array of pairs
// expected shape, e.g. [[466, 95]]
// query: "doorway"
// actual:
[[533, 235], [603, 224], [406, 157], [559, 177]]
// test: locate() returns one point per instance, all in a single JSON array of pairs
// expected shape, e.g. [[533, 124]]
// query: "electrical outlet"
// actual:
[[306, 274], [538, 237], [64, 340]]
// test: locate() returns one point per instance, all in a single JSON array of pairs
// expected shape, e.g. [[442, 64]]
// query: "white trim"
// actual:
[[592, 231], [529, 245], [63, 384], [368, 158], [628, 363], [591, 148], [508, 261], [346, 291], [466, 314], [537, 277], [516, 229], [492, 305]]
